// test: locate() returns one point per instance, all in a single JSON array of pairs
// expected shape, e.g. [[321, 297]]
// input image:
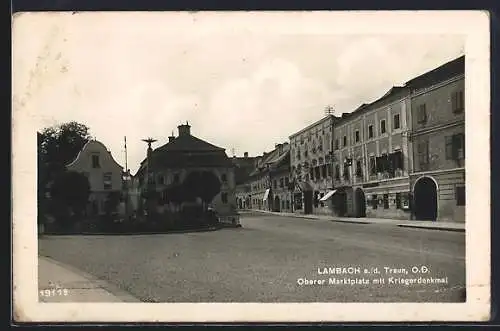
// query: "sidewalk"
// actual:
[[446, 226], [61, 283]]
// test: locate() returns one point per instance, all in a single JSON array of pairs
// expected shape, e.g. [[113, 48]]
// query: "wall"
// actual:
[[83, 164]]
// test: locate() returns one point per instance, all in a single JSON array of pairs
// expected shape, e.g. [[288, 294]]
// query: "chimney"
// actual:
[[171, 137], [245, 155], [184, 129]]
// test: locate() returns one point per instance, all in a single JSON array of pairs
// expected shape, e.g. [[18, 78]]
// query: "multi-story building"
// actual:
[[243, 167], [270, 180], [371, 159], [105, 175], [437, 134], [311, 167], [185, 160]]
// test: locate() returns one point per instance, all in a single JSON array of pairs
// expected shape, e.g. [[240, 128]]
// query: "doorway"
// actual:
[[308, 202], [360, 203], [425, 199], [277, 203]]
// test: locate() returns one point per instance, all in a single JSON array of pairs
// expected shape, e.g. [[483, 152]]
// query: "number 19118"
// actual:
[[54, 292]]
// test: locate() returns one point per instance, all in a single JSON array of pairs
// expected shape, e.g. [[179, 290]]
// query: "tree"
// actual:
[[58, 146], [70, 192], [202, 184]]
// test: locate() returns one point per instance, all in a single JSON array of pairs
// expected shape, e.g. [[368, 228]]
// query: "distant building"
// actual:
[[311, 166], [438, 143], [184, 156], [103, 172], [243, 167], [270, 180]]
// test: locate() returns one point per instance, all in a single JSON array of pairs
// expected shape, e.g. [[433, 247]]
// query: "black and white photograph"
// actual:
[[278, 166]]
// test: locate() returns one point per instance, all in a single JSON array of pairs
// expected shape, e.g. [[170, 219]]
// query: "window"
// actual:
[[345, 141], [457, 102], [329, 170], [395, 122], [337, 172], [460, 195], [288, 204], [455, 147], [281, 182], [398, 200], [107, 176], [356, 136], [382, 126], [311, 173], [373, 165], [323, 171], [421, 114], [386, 201], [223, 197], [176, 178], [423, 154], [223, 178], [374, 201], [95, 161], [336, 144], [359, 170], [370, 131], [161, 179], [346, 172], [287, 182]]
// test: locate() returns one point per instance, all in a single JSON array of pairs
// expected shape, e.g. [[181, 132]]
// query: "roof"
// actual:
[[187, 151], [87, 144], [324, 119], [449, 69], [188, 143], [273, 159]]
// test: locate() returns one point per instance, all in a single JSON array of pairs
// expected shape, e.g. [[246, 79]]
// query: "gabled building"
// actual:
[[180, 159], [103, 172], [437, 131]]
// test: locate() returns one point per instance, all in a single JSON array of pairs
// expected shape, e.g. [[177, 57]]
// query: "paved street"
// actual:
[[273, 259]]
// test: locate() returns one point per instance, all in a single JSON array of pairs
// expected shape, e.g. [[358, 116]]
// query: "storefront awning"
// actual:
[[266, 195], [328, 195]]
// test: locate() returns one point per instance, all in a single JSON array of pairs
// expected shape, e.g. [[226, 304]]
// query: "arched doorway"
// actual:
[[425, 199], [277, 206], [360, 203]]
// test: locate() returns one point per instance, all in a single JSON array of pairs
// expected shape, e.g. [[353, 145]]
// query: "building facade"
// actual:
[[105, 175], [438, 143], [311, 153], [243, 168], [270, 181], [188, 159], [371, 159]]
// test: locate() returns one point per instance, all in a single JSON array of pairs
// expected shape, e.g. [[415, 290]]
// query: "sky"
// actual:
[[241, 85]]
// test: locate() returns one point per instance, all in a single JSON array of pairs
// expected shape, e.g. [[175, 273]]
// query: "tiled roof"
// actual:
[[443, 72], [188, 143]]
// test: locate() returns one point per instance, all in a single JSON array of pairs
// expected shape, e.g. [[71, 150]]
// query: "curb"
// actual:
[[430, 227], [131, 233], [364, 222], [114, 290]]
